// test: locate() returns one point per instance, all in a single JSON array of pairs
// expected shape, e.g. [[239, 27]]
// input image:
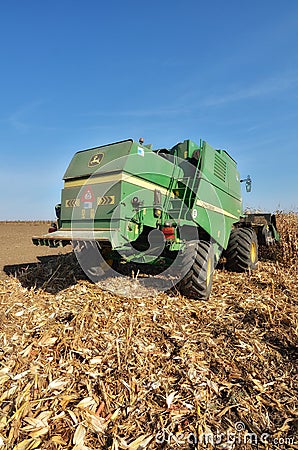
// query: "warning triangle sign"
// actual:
[[88, 195]]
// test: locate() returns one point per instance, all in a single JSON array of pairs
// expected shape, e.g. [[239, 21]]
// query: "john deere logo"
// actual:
[[95, 160]]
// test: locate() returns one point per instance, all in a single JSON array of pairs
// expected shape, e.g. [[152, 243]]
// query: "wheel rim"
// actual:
[[253, 252], [209, 272]]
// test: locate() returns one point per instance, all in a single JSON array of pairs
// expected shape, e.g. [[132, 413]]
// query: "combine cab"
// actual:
[[182, 206]]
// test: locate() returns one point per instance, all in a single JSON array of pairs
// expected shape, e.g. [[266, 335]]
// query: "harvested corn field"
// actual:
[[84, 368]]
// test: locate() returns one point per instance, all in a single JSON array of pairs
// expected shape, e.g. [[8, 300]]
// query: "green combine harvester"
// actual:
[[179, 209]]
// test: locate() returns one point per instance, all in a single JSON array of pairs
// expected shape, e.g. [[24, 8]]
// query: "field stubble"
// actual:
[[83, 368]]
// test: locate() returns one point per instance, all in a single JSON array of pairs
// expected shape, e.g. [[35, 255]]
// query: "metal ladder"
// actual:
[[190, 185], [179, 207]]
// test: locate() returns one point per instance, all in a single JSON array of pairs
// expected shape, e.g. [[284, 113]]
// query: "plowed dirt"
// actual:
[[17, 250]]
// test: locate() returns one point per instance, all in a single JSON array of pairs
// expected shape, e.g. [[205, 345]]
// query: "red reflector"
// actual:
[[169, 232]]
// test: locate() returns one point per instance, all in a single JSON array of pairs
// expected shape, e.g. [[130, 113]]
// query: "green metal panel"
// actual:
[[89, 204], [184, 149], [147, 165], [87, 162], [218, 199]]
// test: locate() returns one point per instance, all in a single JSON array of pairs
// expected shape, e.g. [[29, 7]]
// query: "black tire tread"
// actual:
[[238, 253], [195, 258]]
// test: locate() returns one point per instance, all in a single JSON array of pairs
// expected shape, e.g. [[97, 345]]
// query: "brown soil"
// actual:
[[17, 250]]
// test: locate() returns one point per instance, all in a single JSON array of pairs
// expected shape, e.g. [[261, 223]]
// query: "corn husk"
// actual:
[[84, 368]]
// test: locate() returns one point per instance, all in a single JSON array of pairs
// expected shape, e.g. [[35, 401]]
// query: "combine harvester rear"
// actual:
[[180, 208]]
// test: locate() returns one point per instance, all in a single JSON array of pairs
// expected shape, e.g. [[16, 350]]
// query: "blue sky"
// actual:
[[78, 74]]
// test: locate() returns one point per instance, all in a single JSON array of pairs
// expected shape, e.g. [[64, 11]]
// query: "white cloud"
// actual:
[[265, 87]]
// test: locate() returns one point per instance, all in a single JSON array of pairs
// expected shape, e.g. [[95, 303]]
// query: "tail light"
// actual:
[[169, 232]]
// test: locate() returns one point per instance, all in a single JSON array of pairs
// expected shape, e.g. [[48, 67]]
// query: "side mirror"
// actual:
[[247, 183]]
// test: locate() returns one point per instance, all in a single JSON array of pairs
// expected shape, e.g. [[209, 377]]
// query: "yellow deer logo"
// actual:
[[95, 160]]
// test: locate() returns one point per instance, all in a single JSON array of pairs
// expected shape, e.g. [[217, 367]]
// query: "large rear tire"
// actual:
[[198, 261], [242, 250]]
